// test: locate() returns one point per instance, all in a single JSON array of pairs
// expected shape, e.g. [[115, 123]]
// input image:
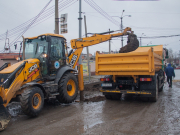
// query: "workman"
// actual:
[[169, 73]]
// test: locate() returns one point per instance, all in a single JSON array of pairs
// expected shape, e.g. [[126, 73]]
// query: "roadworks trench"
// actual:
[[91, 94]]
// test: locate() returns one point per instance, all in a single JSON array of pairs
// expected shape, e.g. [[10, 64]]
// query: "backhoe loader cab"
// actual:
[[50, 50]]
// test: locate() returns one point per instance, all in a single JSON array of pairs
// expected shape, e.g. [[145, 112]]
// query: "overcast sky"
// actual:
[[153, 18]]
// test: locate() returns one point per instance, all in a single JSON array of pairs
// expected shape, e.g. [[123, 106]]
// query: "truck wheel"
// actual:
[[161, 89], [155, 98], [68, 88], [116, 96], [32, 101]]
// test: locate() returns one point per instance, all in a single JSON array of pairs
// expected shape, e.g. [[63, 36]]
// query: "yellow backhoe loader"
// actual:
[[45, 72]]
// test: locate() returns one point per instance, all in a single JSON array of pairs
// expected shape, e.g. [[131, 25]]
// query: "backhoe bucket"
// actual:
[[4, 117]]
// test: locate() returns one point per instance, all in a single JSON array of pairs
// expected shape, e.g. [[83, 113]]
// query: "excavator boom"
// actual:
[[96, 39], [80, 43]]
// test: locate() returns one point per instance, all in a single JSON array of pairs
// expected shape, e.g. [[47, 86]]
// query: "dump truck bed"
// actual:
[[142, 61]]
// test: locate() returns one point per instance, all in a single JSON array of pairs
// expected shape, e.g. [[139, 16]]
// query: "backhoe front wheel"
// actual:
[[32, 101], [68, 88]]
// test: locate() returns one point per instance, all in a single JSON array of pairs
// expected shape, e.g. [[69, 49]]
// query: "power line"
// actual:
[[102, 12], [62, 7], [20, 28], [161, 36], [30, 23], [34, 20], [139, 12], [46, 13]]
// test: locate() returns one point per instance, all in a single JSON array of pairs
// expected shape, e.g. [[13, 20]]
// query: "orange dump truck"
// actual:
[[138, 72]]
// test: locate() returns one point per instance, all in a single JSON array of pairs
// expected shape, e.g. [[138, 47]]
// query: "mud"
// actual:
[[14, 109], [132, 44], [95, 99], [129, 115]]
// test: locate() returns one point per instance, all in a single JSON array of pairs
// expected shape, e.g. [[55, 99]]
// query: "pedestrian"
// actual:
[[169, 73]]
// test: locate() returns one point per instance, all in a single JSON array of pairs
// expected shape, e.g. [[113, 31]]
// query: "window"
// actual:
[[56, 48]]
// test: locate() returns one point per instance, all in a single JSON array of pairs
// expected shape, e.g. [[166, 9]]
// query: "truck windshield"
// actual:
[[35, 47]]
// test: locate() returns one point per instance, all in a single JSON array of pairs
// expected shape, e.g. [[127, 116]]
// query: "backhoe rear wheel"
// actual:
[[32, 101], [68, 88]]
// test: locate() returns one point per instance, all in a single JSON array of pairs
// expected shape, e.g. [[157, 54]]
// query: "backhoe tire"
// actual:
[[32, 101], [68, 88], [161, 89]]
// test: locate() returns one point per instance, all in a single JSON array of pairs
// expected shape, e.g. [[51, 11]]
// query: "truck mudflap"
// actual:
[[5, 117], [128, 92]]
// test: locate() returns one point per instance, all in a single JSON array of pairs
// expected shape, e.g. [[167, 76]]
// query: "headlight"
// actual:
[[17, 58], [44, 55]]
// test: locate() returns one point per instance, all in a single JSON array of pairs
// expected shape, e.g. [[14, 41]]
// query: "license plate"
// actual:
[[106, 84]]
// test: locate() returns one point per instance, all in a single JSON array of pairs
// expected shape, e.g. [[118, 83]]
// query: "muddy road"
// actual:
[[130, 115]]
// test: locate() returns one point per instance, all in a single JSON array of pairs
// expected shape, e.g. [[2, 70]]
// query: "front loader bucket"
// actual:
[[4, 117]]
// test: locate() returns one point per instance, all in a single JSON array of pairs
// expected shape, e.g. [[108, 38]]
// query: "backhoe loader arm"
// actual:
[[80, 43], [96, 39]]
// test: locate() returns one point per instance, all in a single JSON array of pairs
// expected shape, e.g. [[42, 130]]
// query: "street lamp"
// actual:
[[122, 24], [141, 37]]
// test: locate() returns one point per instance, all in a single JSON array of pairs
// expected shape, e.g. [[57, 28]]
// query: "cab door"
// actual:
[[57, 55]]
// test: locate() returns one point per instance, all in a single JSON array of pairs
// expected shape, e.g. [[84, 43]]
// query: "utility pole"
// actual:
[[80, 67], [80, 27], [140, 41], [109, 44], [56, 18], [89, 71]]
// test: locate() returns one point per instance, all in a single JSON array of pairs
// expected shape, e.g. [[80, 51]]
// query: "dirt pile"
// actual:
[[132, 44], [92, 87]]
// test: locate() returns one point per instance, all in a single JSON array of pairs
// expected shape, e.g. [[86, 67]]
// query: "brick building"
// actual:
[[8, 57]]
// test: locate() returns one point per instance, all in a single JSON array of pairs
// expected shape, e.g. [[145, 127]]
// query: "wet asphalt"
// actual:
[[130, 115]]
